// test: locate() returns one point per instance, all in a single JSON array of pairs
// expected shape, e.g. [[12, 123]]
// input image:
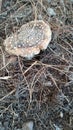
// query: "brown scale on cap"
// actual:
[[29, 39]]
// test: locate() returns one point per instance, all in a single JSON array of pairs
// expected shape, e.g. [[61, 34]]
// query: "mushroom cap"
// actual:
[[29, 39]]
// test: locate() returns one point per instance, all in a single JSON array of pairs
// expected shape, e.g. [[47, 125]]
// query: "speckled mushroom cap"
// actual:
[[29, 39]]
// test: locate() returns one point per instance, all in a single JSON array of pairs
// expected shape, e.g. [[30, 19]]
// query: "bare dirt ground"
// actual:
[[40, 89]]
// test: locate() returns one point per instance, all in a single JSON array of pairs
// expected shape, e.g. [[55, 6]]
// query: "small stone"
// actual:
[[48, 1], [71, 1], [57, 128], [51, 12], [71, 76], [28, 125], [40, 17]]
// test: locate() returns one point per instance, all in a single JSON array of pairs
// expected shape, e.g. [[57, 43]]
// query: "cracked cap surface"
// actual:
[[29, 39]]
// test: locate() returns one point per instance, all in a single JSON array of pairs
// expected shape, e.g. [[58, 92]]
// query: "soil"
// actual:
[[40, 89]]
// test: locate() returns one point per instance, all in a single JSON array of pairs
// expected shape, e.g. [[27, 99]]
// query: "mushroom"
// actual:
[[29, 39]]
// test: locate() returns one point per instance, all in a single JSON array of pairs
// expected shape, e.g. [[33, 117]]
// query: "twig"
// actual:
[[8, 94], [5, 77], [30, 67]]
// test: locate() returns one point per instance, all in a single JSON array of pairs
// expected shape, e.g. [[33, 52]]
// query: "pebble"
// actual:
[[48, 1], [56, 127], [28, 125], [51, 12], [71, 1]]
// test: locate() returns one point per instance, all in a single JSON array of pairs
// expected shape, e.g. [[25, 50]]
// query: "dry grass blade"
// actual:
[[30, 67], [8, 95], [6, 77]]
